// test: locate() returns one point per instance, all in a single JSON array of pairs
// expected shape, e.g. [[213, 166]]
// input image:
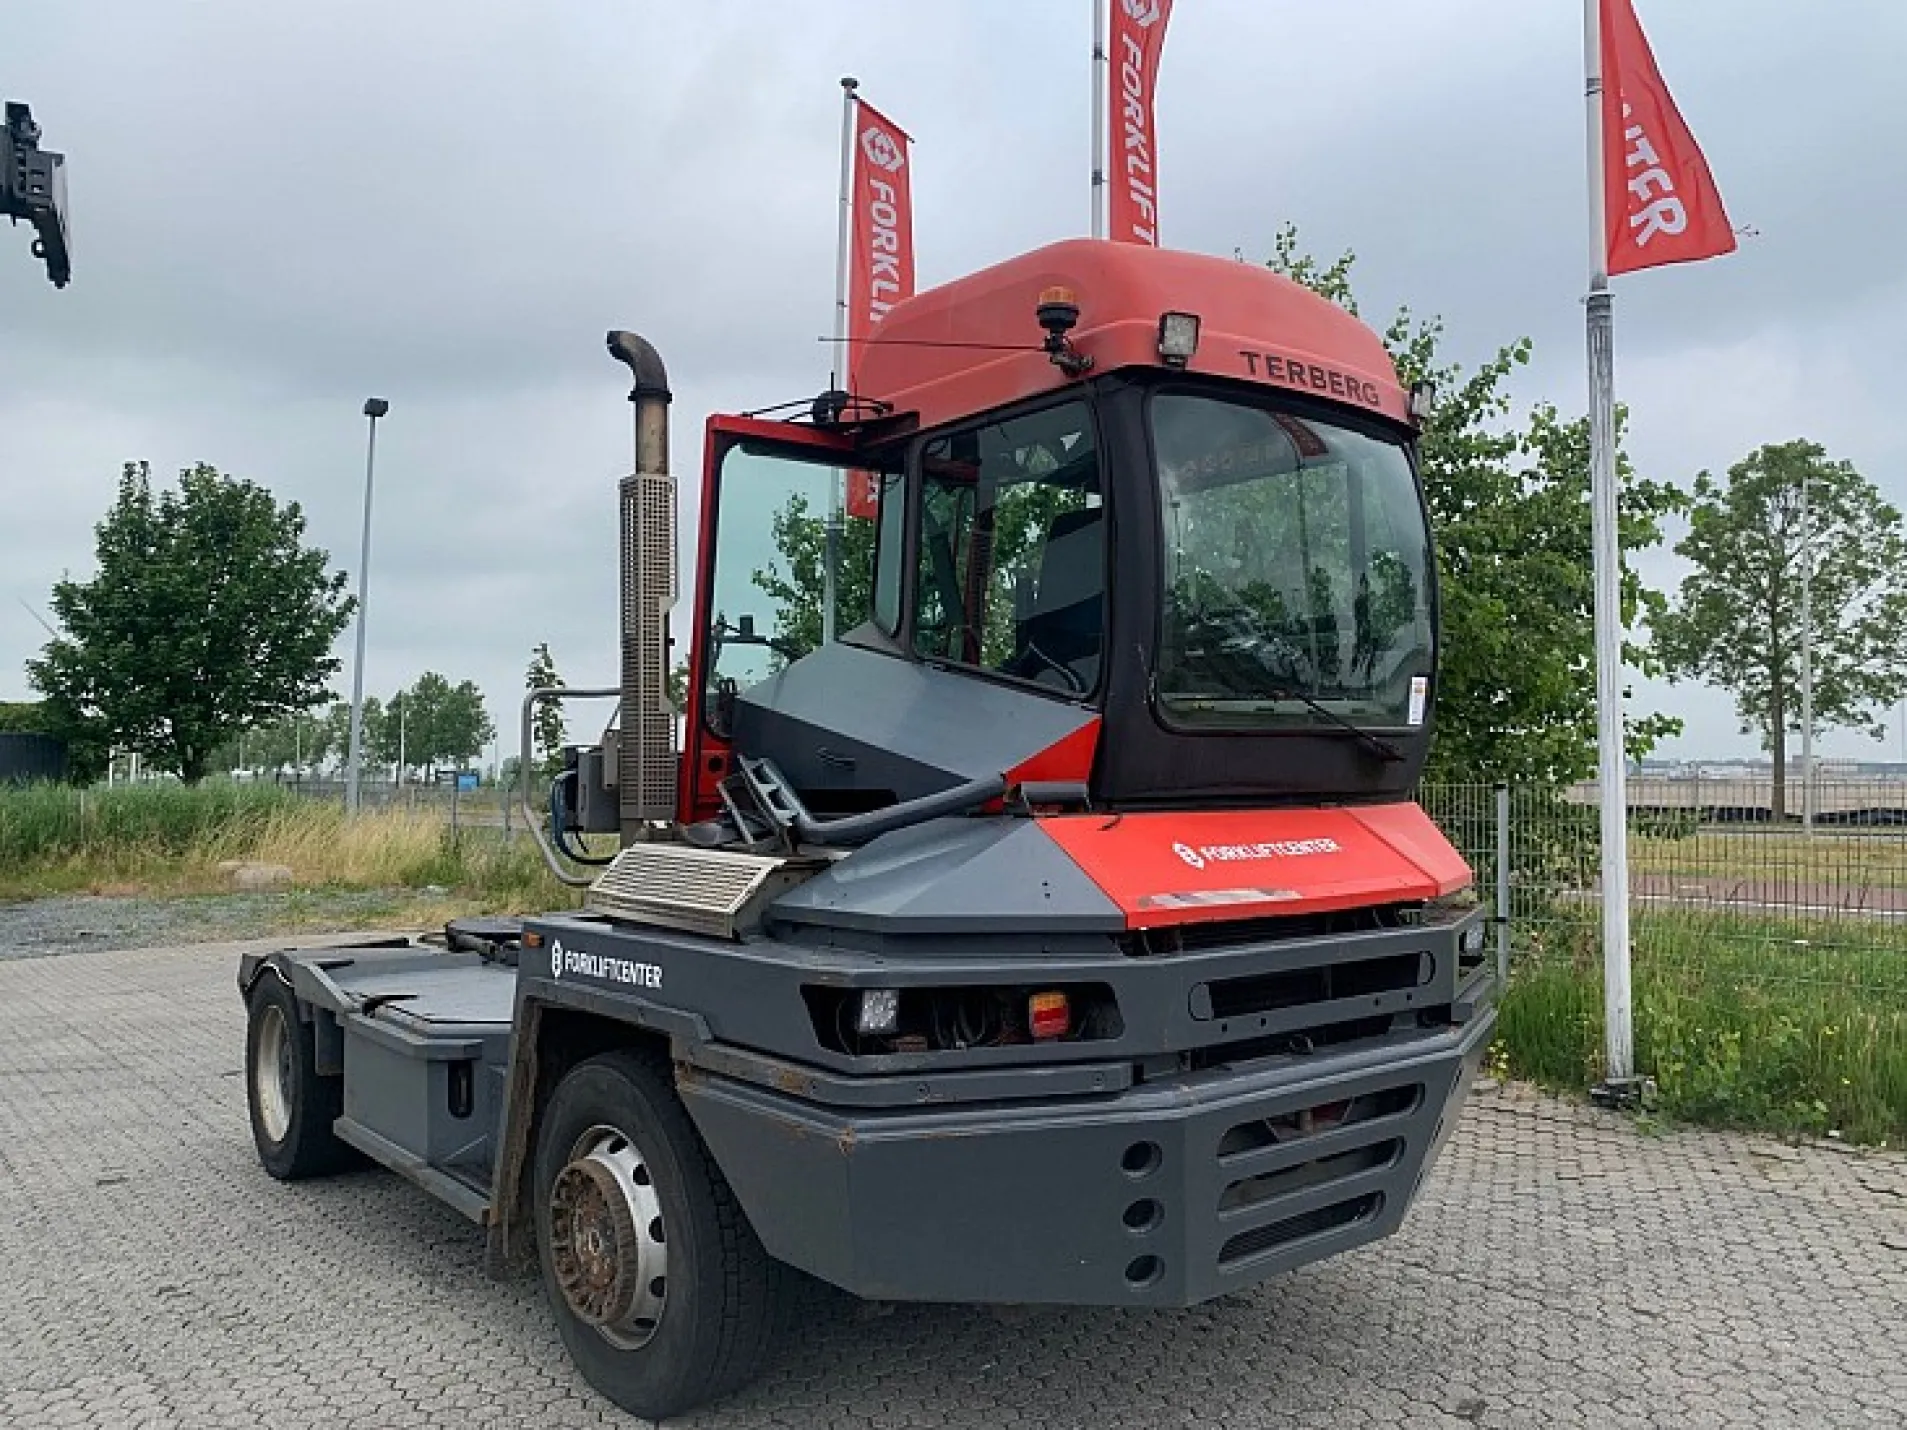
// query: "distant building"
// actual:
[[26, 758]]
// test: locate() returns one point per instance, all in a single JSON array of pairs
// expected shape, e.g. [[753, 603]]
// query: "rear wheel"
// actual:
[[660, 1289], [292, 1106]]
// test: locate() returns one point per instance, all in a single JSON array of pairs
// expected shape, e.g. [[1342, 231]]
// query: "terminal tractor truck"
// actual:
[[1050, 921]]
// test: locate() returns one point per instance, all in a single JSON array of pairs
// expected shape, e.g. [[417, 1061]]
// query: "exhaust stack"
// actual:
[[645, 767]]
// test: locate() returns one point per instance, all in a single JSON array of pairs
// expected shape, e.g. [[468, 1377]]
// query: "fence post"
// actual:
[[1503, 885]]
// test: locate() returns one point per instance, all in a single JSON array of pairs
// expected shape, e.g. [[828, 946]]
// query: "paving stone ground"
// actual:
[[1561, 1270]]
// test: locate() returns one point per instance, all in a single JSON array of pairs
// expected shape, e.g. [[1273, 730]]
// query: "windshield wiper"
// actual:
[[1376, 744]]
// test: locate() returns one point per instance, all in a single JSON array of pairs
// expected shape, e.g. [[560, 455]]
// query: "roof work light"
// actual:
[[1178, 338]]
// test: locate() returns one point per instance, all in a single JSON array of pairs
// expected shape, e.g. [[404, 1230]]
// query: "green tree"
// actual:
[[335, 731], [298, 741], [1737, 620], [436, 723], [546, 726], [24, 717], [1509, 507], [798, 581], [463, 726], [208, 614], [396, 740]]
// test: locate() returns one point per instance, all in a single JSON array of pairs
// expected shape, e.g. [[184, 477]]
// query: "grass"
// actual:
[[1849, 861], [1776, 1025], [168, 840]]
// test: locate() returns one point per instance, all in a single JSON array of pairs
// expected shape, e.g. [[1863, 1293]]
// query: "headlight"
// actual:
[[880, 1011], [1472, 939]]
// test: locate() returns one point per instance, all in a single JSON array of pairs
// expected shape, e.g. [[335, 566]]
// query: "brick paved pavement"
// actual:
[[1562, 1271]]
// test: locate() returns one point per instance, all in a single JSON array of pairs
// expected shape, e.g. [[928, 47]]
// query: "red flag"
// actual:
[[881, 256], [1662, 205], [1138, 35]]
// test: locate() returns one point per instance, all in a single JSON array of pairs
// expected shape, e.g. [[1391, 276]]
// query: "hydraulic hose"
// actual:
[[858, 829]]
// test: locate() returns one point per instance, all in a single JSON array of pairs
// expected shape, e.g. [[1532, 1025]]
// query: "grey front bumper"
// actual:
[[1167, 1194]]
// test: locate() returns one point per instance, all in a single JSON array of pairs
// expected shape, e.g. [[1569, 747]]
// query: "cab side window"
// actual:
[[1011, 568], [890, 556]]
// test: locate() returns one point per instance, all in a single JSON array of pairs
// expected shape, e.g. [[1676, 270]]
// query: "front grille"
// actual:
[[1232, 933], [1296, 987], [1288, 1043], [1261, 1239]]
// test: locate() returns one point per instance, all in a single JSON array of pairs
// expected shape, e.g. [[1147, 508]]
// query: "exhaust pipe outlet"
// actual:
[[646, 757], [650, 394]]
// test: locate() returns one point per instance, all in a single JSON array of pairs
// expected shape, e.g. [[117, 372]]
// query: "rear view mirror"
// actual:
[[33, 187]]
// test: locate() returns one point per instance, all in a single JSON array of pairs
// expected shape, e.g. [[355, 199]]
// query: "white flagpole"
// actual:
[[1619, 1048], [843, 230], [1807, 662], [1099, 119]]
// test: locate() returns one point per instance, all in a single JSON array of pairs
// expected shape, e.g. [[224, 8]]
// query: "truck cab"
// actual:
[[1034, 909], [1207, 571]]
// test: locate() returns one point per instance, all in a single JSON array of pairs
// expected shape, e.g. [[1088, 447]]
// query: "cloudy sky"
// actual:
[[280, 210]]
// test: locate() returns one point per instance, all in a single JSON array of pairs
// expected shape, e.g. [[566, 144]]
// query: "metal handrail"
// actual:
[[556, 694]]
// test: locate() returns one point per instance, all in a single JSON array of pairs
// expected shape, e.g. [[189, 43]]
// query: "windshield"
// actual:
[[1296, 571]]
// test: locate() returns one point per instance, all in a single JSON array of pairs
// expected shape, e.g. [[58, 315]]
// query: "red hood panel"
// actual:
[[1172, 868]]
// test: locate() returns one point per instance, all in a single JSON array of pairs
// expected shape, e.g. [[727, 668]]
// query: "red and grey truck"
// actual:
[[1060, 929]]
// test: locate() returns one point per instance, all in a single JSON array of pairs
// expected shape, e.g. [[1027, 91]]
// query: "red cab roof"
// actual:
[[1254, 325]]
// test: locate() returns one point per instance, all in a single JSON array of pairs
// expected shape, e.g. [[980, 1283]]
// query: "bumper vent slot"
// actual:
[[1336, 1217], [1248, 1137], [1269, 1186]]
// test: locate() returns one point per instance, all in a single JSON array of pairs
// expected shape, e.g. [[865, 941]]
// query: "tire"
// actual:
[[292, 1107], [656, 1345]]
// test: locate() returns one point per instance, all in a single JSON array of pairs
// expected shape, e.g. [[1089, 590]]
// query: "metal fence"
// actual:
[[1769, 958], [487, 806], [1709, 862]]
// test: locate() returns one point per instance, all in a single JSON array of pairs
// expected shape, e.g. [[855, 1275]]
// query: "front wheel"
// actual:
[[292, 1105], [660, 1289]]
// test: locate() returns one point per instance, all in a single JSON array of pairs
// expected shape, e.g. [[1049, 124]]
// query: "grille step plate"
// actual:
[[706, 891]]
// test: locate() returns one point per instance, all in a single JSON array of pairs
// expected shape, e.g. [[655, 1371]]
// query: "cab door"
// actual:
[[768, 489]]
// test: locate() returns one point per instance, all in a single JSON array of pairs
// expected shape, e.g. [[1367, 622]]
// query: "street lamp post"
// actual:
[[374, 408]]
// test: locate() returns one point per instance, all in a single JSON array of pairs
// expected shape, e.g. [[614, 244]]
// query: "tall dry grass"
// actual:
[[169, 839]]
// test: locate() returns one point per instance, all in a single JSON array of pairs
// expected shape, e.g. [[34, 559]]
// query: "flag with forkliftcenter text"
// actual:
[[881, 255], [1132, 171], [1661, 203]]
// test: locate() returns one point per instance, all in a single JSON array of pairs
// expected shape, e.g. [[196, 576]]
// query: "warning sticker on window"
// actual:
[[1419, 698]]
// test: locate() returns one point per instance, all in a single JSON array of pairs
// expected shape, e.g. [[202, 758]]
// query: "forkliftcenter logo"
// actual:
[[595, 965], [1246, 853], [881, 149], [1144, 13]]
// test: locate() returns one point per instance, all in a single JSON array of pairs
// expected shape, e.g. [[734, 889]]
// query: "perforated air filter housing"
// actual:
[[647, 767]]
